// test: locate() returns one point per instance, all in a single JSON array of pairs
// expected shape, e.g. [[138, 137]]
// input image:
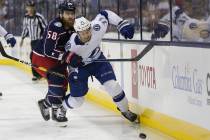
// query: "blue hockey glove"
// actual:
[[126, 29], [73, 59], [160, 31], [10, 39]]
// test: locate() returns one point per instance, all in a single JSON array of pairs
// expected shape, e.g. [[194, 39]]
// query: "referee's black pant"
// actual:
[[34, 43]]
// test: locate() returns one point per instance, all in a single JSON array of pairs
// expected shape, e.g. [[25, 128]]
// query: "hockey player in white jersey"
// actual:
[[195, 30], [84, 46], [8, 37], [184, 27]]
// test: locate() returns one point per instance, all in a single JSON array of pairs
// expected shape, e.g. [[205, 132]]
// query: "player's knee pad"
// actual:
[[78, 87], [73, 102], [73, 76], [113, 87], [55, 94]]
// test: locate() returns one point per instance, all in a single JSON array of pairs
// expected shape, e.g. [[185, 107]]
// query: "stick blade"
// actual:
[[4, 54], [2, 51]]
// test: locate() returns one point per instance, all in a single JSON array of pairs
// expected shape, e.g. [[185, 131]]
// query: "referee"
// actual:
[[33, 26]]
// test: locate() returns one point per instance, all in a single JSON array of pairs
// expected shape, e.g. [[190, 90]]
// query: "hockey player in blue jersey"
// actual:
[[84, 46], [47, 54]]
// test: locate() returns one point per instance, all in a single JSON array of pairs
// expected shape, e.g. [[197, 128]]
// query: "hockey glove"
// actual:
[[10, 39], [160, 31], [72, 59], [126, 29]]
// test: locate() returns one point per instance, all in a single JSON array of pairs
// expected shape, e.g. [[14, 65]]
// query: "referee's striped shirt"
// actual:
[[33, 26]]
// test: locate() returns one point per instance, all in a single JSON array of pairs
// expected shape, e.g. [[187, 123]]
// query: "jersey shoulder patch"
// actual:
[[193, 26], [58, 24], [97, 27]]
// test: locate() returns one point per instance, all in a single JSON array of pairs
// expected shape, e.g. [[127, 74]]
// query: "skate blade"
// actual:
[[61, 124], [137, 120]]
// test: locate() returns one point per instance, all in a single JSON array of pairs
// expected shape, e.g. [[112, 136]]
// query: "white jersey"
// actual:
[[3, 32], [186, 28], [195, 30], [179, 18], [91, 49]]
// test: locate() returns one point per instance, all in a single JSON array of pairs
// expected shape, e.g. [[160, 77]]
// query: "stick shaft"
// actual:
[[4, 54], [137, 58]]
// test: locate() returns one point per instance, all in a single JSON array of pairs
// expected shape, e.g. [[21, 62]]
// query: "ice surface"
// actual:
[[20, 118]]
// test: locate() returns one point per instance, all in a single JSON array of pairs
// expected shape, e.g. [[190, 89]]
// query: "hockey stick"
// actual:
[[4, 54], [137, 58]]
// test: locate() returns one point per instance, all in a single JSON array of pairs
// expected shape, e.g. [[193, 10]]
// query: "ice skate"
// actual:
[[132, 117], [44, 109], [59, 115]]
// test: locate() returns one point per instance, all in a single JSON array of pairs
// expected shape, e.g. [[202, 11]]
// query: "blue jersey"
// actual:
[[54, 39]]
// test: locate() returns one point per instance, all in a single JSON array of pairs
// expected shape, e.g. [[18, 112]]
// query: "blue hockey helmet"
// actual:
[[67, 6]]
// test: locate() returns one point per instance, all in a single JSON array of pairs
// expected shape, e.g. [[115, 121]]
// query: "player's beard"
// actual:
[[69, 23]]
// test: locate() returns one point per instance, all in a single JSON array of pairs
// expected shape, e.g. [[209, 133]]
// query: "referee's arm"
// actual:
[[25, 29], [42, 21]]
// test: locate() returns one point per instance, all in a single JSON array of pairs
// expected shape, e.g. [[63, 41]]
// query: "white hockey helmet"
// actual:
[[81, 24]]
